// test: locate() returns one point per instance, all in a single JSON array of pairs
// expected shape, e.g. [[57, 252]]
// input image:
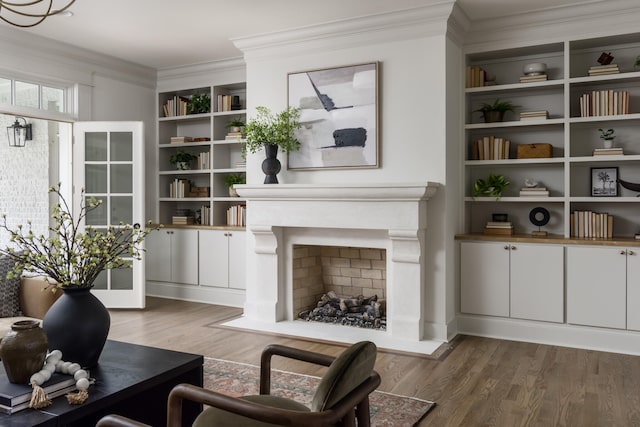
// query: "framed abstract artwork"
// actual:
[[339, 116]]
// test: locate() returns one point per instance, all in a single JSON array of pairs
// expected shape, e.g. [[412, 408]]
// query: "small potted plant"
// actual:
[[182, 160], [494, 185], [607, 137], [495, 111], [234, 178], [199, 103], [235, 125], [272, 131]]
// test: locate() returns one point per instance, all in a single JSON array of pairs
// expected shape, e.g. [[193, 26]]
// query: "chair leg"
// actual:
[[363, 414]]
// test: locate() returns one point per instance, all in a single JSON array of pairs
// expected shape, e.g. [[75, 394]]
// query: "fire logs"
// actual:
[[351, 311]]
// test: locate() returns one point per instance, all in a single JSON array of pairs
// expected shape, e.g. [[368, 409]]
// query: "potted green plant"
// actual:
[[494, 185], [199, 103], [72, 259], [272, 131], [232, 179], [607, 137], [181, 160], [495, 111], [235, 125]]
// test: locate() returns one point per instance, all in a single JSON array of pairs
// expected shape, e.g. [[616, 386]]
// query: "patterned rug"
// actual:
[[239, 379]]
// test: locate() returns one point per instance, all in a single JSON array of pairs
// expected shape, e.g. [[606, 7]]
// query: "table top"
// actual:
[[123, 372]]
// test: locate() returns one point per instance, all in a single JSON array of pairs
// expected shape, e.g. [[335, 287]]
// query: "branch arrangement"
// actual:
[[68, 255]]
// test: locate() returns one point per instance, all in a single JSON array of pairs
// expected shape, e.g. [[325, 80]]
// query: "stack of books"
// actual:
[[601, 70], [233, 136], [241, 164], [590, 224], [204, 161], [176, 106], [179, 188], [475, 77], [534, 115], [236, 215], [205, 215], [491, 148], [16, 397], [534, 192], [183, 220], [180, 139], [604, 103], [499, 227], [608, 151], [533, 78]]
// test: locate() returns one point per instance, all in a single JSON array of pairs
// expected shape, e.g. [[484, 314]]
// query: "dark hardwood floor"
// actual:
[[481, 382]]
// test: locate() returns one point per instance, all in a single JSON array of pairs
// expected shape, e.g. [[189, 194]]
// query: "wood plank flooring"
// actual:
[[481, 382]]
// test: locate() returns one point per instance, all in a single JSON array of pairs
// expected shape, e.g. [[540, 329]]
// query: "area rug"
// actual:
[[239, 379]]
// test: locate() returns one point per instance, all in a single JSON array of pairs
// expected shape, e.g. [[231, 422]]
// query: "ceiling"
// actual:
[[165, 33]]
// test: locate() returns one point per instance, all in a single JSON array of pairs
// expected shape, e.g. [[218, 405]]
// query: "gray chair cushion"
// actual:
[[347, 372], [219, 418]]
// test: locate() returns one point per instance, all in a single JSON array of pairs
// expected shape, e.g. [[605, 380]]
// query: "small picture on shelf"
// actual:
[[604, 182]]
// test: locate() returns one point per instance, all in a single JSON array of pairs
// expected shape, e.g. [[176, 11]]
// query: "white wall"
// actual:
[[414, 137]]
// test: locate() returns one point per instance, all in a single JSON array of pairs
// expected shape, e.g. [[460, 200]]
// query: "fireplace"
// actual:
[[389, 217]]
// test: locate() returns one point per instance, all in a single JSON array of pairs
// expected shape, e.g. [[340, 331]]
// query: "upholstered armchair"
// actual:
[[342, 397]]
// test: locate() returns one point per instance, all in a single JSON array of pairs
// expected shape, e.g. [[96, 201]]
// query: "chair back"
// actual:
[[346, 373]]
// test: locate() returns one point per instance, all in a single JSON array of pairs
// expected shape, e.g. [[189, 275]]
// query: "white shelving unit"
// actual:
[[224, 155], [567, 174]]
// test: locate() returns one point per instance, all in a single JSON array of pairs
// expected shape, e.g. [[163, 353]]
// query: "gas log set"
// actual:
[[349, 311]]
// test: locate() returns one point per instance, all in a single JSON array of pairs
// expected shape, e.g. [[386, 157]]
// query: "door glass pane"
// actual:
[[5, 91], [98, 216], [121, 209], [95, 178], [95, 146], [52, 99], [121, 146], [122, 278], [101, 280], [27, 94], [121, 178]]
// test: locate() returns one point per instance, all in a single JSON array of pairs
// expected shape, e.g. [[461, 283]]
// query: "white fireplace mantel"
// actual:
[[389, 216]]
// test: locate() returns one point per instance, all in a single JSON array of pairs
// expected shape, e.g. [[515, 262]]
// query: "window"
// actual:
[[34, 95]]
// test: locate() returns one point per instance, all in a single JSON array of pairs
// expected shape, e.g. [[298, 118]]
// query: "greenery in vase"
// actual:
[[69, 256], [235, 178], [272, 128], [199, 103], [497, 105], [607, 135], [235, 123], [494, 185]]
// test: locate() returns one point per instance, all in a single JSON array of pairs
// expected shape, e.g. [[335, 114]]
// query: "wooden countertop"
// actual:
[[551, 238]]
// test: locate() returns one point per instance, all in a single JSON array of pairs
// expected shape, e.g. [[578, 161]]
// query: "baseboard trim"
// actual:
[[208, 295]]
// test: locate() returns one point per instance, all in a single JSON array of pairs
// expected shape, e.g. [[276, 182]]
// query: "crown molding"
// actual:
[[412, 23], [25, 51], [595, 19], [458, 25]]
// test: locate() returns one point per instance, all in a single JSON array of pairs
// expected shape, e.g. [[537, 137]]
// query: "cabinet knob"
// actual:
[[506, 248], [623, 252], [513, 248], [632, 253]]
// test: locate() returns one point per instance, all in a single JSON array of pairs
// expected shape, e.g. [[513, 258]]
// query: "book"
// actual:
[[637, 236], [12, 395], [529, 193], [499, 224], [4, 409], [499, 231], [607, 151]]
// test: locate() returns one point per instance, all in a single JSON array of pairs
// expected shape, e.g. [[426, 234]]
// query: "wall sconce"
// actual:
[[19, 134]]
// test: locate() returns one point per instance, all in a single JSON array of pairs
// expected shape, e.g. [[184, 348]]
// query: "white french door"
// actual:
[[108, 162]]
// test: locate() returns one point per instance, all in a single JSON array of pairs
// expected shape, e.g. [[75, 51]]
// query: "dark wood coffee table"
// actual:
[[131, 380]]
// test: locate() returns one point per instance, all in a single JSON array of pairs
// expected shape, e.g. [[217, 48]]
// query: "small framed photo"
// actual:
[[604, 182]]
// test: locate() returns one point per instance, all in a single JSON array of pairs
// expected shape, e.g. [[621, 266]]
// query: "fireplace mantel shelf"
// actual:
[[360, 192]]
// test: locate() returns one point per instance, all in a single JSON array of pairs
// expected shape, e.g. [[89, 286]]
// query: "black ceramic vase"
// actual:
[[23, 350], [77, 324], [271, 165]]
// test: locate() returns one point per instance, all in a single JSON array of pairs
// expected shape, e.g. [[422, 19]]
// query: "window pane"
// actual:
[[101, 280], [121, 146], [95, 178], [52, 99], [121, 209], [97, 216], [121, 179], [5, 91], [95, 144], [27, 95], [122, 279]]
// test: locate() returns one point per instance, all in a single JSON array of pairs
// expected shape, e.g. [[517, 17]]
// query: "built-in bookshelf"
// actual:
[[578, 96], [198, 194]]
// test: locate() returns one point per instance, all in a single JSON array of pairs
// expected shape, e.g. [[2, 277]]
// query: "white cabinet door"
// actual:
[[237, 260], [537, 282], [633, 289], [484, 280], [184, 256], [214, 258], [158, 265], [596, 286]]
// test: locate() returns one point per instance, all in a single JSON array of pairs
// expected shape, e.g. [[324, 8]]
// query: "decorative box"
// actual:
[[534, 151]]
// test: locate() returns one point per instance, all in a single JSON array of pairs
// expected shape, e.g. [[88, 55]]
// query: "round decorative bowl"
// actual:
[[535, 68]]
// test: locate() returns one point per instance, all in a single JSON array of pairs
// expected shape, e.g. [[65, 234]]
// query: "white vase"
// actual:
[[607, 143]]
